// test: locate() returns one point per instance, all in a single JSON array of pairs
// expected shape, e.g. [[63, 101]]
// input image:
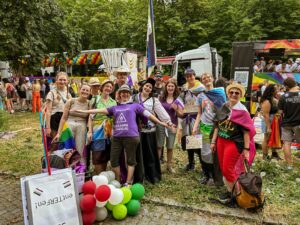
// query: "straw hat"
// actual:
[[94, 81], [237, 86], [105, 82], [121, 69], [125, 87]]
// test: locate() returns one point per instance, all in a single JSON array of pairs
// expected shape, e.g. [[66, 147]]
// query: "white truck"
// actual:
[[5, 71], [203, 60]]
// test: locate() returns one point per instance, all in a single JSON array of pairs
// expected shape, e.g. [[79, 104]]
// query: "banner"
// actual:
[[51, 199], [151, 46]]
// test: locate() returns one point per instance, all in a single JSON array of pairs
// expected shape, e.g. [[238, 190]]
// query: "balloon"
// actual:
[[87, 203], [89, 187], [116, 197], [133, 207], [109, 206], [100, 180], [138, 191], [101, 213], [119, 212], [111, 175], [88, 218], [116, 183], [100, 204], [111, 186], [105, 173], [103, 193], [127, 195]]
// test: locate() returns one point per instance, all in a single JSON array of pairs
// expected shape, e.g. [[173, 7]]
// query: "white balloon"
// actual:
[[104, 173], [101, 213], [100, 180], [115, 183], [116, 196], [100, 204], [111, 175], [111, 186]]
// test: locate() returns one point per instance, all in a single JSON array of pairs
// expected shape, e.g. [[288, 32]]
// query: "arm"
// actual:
[[161, 112], [266, 107], [214, 139], [94, 111], [157, 121], [246, 144], [62, 120], [197, 121], [90, 132], [48, 117]]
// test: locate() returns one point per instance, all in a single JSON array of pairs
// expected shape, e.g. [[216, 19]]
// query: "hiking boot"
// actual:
[[276, 156], [190, 167]]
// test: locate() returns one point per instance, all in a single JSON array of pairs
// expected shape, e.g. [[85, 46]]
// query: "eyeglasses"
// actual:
[[234, 92]]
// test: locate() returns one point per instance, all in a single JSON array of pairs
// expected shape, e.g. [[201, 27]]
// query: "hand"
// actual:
[[174, 106], [269, 130], [246, 154], [194, 132], [213, 147], [56, 138], [164, 124], [89, 137], [48, 132]]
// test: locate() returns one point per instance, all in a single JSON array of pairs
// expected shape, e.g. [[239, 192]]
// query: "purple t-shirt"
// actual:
[[170, 111], [125, 119]]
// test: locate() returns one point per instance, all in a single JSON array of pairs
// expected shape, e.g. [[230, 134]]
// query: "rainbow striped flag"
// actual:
[[66, 138]]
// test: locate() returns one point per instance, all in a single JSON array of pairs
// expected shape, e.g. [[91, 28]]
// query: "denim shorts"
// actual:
[[263, 123], [161, 137]]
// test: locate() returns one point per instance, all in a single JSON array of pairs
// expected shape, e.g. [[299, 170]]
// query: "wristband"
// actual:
[[247, 149]]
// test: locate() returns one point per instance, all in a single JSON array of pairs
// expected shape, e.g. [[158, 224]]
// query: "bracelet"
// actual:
[[247, 149]]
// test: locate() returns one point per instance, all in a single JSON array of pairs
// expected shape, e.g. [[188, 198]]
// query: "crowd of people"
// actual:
[[131, 128], [279, 66]]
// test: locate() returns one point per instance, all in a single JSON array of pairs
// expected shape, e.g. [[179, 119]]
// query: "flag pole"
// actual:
[[44, 139]]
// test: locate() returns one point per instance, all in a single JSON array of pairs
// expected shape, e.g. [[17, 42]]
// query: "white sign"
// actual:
[[194, 141], [51, 199], [241, 76]]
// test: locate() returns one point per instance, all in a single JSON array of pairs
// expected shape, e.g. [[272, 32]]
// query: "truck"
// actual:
[[204, 59], [244, 55], [5, 71]]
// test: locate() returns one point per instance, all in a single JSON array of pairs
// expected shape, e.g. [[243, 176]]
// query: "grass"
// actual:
[[22, 155]]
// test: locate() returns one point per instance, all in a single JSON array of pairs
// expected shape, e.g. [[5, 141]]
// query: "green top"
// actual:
[[98, 103]]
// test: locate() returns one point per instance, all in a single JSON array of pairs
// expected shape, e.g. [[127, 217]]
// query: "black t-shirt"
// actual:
[[289, 103], [157, 92]]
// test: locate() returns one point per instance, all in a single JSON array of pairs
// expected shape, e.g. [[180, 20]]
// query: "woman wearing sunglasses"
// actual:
[[233, 138]]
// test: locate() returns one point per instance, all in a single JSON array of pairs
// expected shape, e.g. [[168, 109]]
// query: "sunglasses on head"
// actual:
[[234, 92]]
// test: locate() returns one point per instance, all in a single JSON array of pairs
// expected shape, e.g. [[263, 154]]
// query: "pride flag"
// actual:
[[66, 138], [216, 96]]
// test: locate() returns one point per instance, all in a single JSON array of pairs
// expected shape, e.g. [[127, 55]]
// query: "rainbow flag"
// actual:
[[216, 96], [66, 138]]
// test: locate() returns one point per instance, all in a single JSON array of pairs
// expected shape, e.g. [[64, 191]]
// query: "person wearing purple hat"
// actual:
[[125, 130]]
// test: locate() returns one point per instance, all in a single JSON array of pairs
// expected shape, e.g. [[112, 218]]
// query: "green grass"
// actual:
[[22, 155]]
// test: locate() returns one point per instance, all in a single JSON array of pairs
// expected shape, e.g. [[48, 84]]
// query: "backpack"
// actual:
[[251, 195]]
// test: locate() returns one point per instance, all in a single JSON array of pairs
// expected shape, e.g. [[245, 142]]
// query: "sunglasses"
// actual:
[[234, 92]]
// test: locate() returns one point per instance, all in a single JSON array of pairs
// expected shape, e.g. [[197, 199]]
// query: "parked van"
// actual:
[[203, 60]]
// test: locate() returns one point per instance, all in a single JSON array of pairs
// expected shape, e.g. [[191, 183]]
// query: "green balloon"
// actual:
[[138, 191], [109, 206], [133, 207], [119, 212], [127, 195]]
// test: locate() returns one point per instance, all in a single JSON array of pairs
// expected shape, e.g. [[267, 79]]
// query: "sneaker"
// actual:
[[266, 157], [276, 156], [225, 198], [190, 167], [203, 180], [170, 169], [128, 185]]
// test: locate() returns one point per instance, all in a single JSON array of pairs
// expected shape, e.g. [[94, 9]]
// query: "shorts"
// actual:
[[290, 133], [130, 145], [263, 124], [161, 137], [22, 94], [100, 157]]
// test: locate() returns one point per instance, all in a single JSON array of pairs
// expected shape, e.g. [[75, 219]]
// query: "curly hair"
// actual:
[[269, 93]]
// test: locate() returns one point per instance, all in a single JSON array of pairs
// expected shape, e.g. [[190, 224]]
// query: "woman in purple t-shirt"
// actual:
[[125, 130], [173, 107]]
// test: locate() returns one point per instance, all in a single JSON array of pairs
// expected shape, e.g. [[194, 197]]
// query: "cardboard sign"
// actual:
[[194, 141], [51, 199], [190, 108]]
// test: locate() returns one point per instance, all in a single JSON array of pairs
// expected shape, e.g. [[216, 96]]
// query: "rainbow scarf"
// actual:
[[66, 138], [241, 116]]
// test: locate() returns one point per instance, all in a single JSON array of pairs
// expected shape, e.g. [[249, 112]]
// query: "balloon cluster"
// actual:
[[104, 193]]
